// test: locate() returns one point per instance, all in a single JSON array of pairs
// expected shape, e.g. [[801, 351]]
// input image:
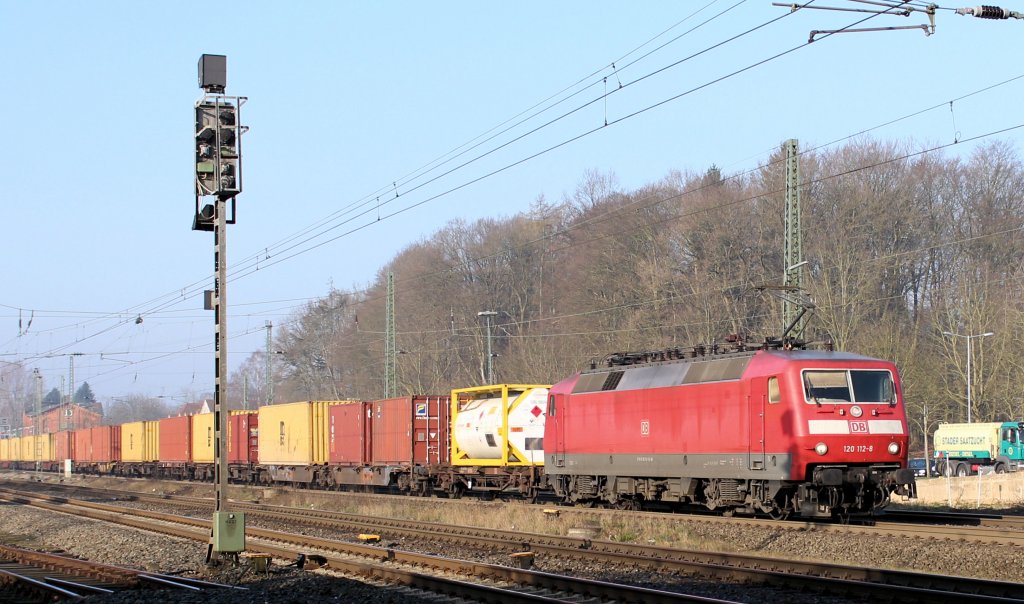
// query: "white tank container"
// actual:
[[478, 426]]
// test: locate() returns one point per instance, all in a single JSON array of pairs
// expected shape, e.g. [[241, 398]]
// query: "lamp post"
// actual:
[[968, 338], [490, 358]]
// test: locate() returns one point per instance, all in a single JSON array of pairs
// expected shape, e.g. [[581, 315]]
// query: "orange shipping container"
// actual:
[[243, 437], [101, 444], [176, 439], [411, 430], [350, 434], [64, 445]]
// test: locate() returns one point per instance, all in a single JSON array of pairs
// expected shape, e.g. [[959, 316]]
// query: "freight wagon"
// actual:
[[140, 449], [294, 442], [497, 442], [97, 449], [389, 444], [770, 430]]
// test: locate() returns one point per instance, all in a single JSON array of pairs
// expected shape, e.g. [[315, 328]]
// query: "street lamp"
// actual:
[[968, 338], [490, 358]]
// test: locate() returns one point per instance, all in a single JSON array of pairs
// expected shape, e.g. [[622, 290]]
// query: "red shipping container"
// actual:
[[100, 444], [411, 430], [64, 443], [350, 434], [243, 437], [176, 439]]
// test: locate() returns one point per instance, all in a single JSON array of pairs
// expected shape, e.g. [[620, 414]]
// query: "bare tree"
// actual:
[[133, 408]]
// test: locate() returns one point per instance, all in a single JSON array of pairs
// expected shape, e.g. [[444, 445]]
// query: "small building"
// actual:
[[196, 408], [71, 416]]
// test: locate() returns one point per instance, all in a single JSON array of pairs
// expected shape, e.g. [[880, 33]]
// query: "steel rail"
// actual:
[[830, 578], [383, 560]]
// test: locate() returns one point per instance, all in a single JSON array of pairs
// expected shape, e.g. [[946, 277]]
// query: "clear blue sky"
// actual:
[[347, 98]]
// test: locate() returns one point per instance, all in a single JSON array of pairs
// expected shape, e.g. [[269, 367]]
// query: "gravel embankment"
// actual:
[[113, 545], [100, 542]]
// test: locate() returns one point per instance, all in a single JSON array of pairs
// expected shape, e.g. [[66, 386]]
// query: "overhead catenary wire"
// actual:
[[195, 288], [317, 246]]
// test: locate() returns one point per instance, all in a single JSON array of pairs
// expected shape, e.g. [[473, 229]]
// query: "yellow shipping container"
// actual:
[[5, 449], [202, 438], [294, 433], [15, 448], [140, 441], [37, 448]]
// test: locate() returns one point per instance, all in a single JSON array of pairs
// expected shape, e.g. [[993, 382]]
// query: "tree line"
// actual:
[[901, 246]]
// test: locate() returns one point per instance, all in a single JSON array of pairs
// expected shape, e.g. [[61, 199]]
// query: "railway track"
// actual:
[[475, 581], [959, 527], [901, 586], [30, 576]]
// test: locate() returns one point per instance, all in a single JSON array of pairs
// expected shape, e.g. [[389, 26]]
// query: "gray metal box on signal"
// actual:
[[228, 532], [213, 72]]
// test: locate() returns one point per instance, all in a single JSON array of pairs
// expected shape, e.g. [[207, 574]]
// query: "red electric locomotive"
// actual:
[[775, 431]]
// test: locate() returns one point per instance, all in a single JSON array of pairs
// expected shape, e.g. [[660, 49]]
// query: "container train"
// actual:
[[769, 430]]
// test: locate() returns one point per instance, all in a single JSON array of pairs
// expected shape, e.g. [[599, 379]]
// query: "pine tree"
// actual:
[[84, 395], [52, 398]]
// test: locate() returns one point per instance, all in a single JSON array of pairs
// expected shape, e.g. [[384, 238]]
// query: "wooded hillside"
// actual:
[[901, 247]]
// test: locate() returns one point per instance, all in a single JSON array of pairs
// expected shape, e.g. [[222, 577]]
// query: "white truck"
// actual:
[[964, 449]]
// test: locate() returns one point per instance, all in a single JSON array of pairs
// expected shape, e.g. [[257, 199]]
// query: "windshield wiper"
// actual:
[[810, 391]]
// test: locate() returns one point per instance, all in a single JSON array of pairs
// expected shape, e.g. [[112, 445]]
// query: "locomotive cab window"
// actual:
[[551, 406], [774, 396], [853, 386]]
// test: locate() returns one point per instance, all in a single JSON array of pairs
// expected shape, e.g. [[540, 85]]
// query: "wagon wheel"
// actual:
[[628, 504]]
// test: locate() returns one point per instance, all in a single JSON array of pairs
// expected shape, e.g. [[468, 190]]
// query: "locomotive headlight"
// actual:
[[856, 411], [821, 448], [894, 448]]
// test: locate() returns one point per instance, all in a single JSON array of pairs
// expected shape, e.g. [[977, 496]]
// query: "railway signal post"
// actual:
[[218, 175]]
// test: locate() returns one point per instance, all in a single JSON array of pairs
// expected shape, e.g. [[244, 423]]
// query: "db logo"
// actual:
[[645, 427], [858, 427]]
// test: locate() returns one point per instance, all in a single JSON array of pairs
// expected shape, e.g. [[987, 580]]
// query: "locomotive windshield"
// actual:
[[848, 386]]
